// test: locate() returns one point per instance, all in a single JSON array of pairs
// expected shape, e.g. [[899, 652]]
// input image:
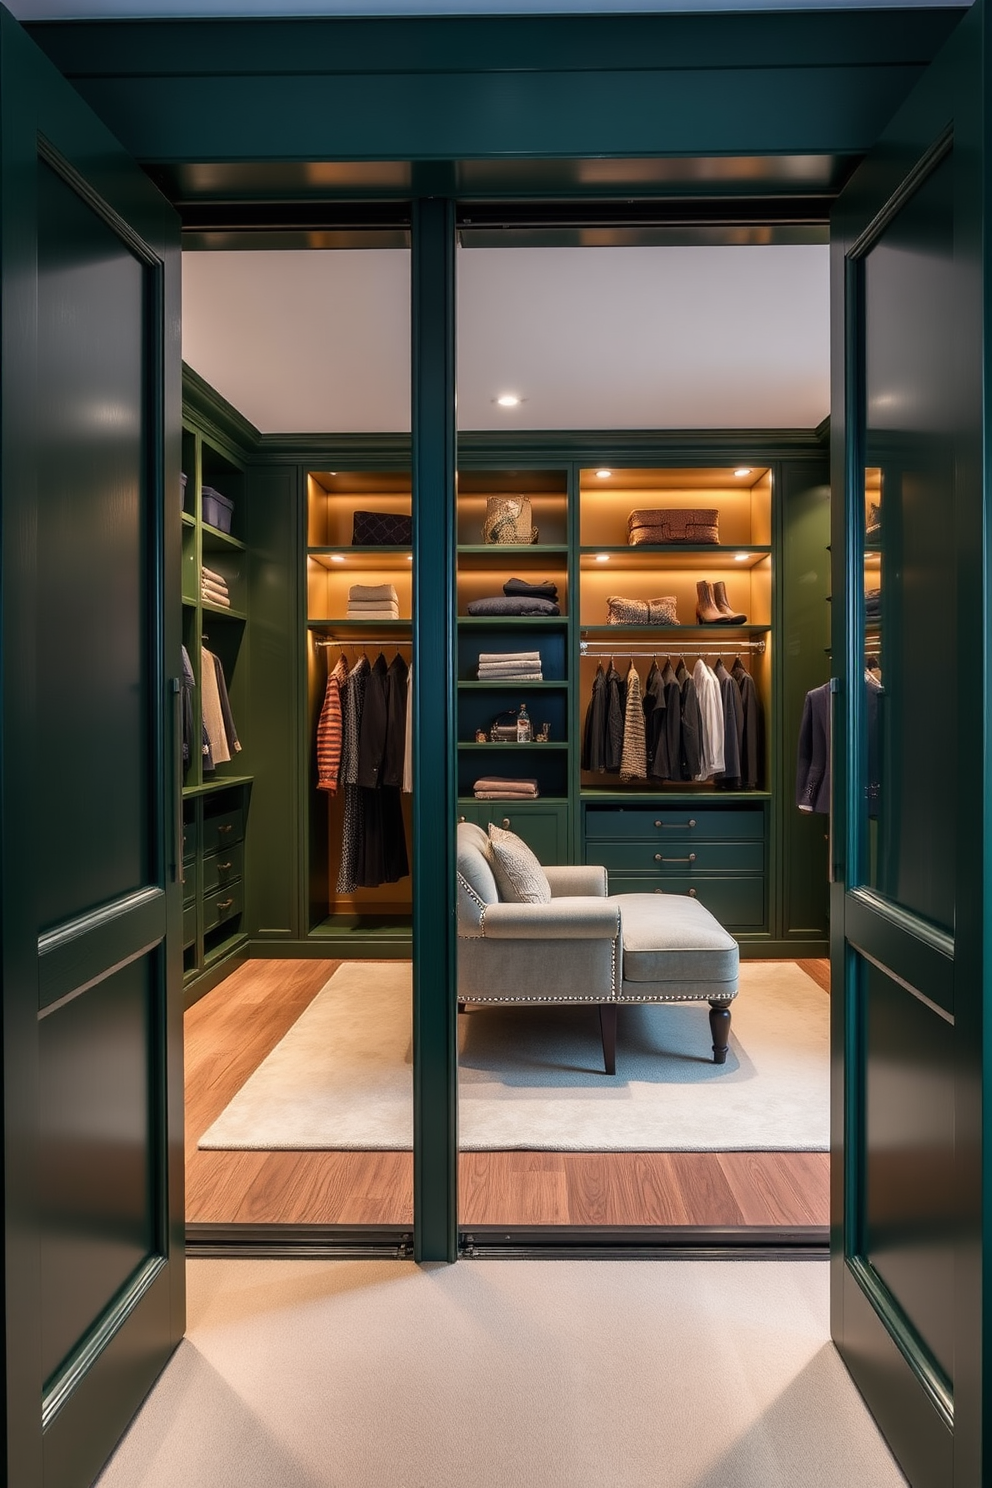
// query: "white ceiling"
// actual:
[[625, 338]]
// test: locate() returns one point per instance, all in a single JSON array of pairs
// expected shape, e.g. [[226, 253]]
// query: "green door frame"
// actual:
[[430, 110]]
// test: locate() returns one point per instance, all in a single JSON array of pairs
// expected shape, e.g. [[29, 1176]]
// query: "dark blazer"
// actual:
[[733, 731], [752, 745], [594, 732], [813, 763]]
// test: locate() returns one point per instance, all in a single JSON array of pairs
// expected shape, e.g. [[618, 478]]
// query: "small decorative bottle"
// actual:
[[525, 733]]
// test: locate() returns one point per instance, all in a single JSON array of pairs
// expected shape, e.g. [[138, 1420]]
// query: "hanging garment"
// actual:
[[633, 759], [218, 721], [654, 711], [594, 729], [711, 721], [382, 855], [666, 762], [616, 701], [408, 736], [753, 741], [188, 684], [691, 753], [397, 677], [733, 728], [329, 728], [352, 701], [813, 762]]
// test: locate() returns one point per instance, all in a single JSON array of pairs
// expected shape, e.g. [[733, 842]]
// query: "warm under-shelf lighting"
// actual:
[[604, 474], [508, 400], [337, 557], [744, 470], [740, 557], [602, 557]]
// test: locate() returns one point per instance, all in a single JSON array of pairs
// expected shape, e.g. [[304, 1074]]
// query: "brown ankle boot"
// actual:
[[706, 610], [727, 613]]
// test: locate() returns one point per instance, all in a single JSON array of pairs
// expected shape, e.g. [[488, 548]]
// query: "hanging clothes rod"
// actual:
[[607, 648], [364, 641]]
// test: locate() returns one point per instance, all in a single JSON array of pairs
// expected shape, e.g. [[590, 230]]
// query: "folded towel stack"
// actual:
[[521, 589], [373, 602], [510, 666], [213, 588], [501, 788]]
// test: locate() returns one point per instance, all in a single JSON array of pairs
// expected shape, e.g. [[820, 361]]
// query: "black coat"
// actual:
[[691, 759], [594, 731], [753, 739], [813, 762], [382, 856], [733, 728]]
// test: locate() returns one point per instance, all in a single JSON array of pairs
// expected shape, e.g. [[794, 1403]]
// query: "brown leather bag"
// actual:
[[659, 524]]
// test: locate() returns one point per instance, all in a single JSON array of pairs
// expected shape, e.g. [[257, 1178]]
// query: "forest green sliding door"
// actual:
[[91, 1021], [911, 783]]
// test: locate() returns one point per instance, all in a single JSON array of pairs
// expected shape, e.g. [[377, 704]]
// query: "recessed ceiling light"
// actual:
[[602, 557], [409, 557], [744, 470], [604, 474], [508, 400], [337, 557], [740, 557]]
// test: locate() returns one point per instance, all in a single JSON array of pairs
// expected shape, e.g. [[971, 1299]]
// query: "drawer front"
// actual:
[[190, 883], [625, 824], [543, 828], [221, 905], [221, 831], [738, 903], [189, 925], [685, 856], [222, 867]]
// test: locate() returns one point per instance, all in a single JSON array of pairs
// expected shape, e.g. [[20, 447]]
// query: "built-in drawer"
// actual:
[[221, 905], [223, 829], [687, 856], [625, 823], [222, 867], [738, 903], [190, 883], [189, 925]]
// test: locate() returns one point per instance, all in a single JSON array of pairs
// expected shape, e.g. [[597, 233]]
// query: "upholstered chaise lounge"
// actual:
[[585, 946]]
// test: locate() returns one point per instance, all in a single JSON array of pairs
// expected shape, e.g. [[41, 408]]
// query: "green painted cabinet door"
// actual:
[[910, 931], [543, 828], [91, 898]]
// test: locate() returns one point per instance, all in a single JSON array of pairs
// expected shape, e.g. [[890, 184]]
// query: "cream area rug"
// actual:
[[531, 1077]]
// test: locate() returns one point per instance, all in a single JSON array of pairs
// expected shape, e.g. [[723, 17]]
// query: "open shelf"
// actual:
[[470, 744], [513, 683], [215, 541], [362, 558], [222, 782], [674, 556], [222, 611]]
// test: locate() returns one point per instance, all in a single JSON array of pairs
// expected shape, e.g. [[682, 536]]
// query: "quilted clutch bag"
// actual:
[[373, 529], [641, 611], [658, 524], [508, 520]]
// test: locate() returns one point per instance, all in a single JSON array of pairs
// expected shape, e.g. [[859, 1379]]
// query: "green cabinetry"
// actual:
[[543, 825]]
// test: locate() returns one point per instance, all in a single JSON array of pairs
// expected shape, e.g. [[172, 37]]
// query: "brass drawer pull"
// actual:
[[692, 893], [226, 904], [690, 823], [690, 859], [225, 827], [223, 867]]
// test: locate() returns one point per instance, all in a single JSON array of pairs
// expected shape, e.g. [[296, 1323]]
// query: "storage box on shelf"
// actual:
[[365, 919]]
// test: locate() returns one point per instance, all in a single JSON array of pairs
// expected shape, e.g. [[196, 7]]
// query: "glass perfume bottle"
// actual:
[[524, 731]]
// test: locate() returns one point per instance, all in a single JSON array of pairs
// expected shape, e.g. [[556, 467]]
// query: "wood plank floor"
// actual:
[[231, 1030]]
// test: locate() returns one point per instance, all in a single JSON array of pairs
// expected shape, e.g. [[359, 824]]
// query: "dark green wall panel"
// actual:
[[272, 702]]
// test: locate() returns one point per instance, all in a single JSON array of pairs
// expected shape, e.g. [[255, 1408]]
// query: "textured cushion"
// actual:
[[476, 884], [520, 878], [672, 938]]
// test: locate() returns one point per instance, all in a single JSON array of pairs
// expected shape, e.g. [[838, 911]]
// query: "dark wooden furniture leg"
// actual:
[[720, 1029], [608, 1029], [461, 1007]]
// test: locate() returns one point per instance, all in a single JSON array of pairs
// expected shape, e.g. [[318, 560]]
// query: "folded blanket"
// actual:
[[498, 656], [371, 604], [510, 666], [389, 612], [505, 604], [215, 578], [215, 598], [511, 674], [502, 796], [546, 589], [506, 782], [372, 591]]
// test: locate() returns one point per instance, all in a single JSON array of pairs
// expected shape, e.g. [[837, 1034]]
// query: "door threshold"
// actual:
[[303, 1241], [647, 1242]]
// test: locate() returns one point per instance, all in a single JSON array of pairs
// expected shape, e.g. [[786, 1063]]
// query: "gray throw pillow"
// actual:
[[519, 876]]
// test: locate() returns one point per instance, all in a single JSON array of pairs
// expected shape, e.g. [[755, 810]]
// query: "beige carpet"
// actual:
[[505, 1374], [531, 1077]]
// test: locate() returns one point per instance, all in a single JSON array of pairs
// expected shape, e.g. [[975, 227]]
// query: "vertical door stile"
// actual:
[[435, 1063]]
